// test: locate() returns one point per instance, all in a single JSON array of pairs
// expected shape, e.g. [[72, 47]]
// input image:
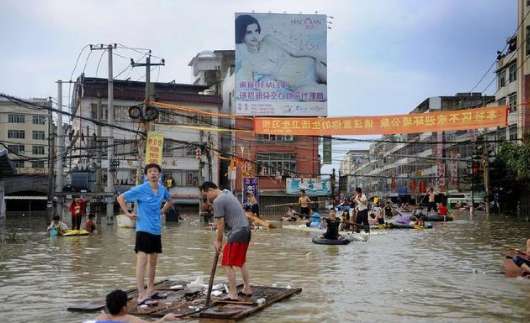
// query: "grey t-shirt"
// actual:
[[228, 207]]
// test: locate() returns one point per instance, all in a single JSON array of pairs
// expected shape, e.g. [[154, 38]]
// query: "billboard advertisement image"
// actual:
[[312, 186], [281, 67]]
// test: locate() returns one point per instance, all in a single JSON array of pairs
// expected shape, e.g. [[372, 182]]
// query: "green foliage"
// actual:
[[516, 159]]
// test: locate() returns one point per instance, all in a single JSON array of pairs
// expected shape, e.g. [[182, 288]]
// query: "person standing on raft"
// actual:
[[149, 197], [304, 202], [229, 215]]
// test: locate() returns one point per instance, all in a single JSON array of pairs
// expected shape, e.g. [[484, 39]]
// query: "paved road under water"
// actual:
[[450, 273]]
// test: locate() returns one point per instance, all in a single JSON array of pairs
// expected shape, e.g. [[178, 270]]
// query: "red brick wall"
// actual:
[[305, 148]]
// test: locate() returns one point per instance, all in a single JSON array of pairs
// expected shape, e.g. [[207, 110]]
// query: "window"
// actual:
[[501, 101], [16, 118], [39, 135], [121, 113], [16, 134], [124, 147], [37, 150], [37, 164], [190, 151], [167, 117], [38, 119], [512, 101], [185, 177], [501, 77], [202, 119], [275, 138], [18, 163], [94, 114], [276, 164], [15, 149], [512, 72]]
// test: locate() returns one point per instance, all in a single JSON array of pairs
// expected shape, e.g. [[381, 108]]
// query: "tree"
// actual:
[[516, 159]]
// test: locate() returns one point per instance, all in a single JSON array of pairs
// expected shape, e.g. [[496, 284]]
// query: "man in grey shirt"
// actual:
[[229, 216]]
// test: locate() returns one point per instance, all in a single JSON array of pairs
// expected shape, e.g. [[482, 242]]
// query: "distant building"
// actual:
[[271, 158], [352, 160], [180, 160], [25, 132], [408, 164]]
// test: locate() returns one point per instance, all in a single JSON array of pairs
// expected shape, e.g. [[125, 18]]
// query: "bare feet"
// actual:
[[247, 291]]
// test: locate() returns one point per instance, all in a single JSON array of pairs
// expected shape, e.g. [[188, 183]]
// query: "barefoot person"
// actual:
[[229, 216], [149, 197], [304, 202], [522, 260], [116, 306]]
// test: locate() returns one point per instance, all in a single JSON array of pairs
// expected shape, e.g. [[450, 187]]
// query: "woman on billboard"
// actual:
[[268, 58]]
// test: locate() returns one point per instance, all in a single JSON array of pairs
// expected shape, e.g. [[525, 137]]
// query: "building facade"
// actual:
[[25, 132], [513, 76], [408, 164], [269, 158], [352, 160], [180, 161]]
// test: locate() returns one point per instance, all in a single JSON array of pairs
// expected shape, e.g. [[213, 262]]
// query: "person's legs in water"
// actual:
[[141, 263], [78, 222]]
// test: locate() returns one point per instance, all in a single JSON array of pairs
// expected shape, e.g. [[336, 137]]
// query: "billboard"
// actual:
[[281, 64], [250, 185], [312, 186]]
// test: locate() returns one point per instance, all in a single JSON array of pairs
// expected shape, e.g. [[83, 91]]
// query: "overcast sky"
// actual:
[[384, 56]]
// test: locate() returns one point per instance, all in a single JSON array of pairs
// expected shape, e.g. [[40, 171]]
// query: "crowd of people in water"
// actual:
[[357, 212], [234, 220]]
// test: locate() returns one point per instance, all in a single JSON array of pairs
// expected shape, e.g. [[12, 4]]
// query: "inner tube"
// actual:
[[437, 218], [408, 226], [319, 240], [72, 233]]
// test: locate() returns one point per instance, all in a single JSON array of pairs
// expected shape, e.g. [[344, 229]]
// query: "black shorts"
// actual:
[[304, 210], [148, 243]]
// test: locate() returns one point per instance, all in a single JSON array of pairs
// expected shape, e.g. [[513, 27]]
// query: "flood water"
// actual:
[[450, 273]]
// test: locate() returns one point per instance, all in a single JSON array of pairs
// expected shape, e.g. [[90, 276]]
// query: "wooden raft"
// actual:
[[190, 302]]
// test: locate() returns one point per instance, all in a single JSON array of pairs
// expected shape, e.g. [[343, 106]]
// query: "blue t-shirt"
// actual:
[[149, 202]]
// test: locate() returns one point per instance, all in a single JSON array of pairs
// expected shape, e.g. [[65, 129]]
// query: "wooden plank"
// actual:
[[237, 312], [288, 293]]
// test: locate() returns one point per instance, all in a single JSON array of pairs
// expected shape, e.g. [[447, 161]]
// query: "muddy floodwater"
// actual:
[[447, 274]]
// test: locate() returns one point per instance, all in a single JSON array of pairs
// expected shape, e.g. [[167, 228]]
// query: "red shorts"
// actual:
[[235, 254]]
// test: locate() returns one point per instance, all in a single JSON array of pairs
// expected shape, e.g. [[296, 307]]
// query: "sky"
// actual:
[[384, 56]]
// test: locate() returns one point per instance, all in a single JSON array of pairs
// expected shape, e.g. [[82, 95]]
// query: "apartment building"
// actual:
[[180, 160], [408, 164], [25, 133]]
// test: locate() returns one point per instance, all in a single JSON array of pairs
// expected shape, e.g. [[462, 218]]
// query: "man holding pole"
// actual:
[[229, 215]]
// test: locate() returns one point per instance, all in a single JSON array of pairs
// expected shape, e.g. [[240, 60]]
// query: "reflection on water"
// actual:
[[446, 274]]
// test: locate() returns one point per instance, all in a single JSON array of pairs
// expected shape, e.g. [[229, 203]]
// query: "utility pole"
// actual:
[[148, 97], [59, 181], [98, 147], [209, 157], [110, 140], [333, 188], [51, 139], [485, 165]]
